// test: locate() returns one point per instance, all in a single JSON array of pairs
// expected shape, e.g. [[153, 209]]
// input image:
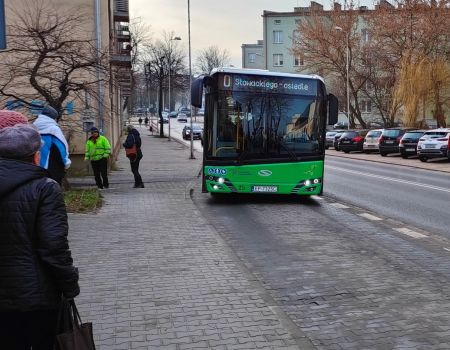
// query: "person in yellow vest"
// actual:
[[98, 151]]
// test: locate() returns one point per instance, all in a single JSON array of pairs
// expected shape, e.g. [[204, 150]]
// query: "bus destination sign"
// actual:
[[274, 84]]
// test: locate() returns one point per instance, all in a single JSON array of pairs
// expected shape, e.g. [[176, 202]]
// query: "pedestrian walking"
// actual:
[[54, 148], [140, 121], [134, 139], [146, 120], [36, 266], [98, 151]]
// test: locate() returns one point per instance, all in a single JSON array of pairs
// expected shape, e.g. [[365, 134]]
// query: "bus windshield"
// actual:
[[248, 126]]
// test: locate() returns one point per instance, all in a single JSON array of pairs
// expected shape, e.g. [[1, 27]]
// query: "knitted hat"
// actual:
[[93, 129], [50, 112], [19, 141], [10, 118]]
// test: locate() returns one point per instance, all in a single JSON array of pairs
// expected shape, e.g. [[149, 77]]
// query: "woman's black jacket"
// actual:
[[134, 138], [36, 266]]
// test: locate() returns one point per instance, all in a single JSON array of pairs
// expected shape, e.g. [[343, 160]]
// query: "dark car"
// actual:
[[352, 140], [390, 140], [336, 138], [408, 143], [196, 134]]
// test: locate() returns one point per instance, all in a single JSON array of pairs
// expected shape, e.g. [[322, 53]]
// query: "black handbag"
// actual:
[[71, 333]]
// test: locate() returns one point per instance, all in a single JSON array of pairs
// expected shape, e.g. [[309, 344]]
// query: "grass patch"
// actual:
[[82, 200]]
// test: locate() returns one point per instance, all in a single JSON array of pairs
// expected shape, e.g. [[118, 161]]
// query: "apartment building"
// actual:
[[253, 55], [106, 23]]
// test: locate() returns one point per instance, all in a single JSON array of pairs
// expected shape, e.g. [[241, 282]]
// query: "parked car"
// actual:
[[352, 141], [185, 110], [329, 139], [336, 138], [434, 144], [390, 140], [371, 141], [408, 143], [173, 114], [165, 117], [182, 117], [340, 125], [196, 132]]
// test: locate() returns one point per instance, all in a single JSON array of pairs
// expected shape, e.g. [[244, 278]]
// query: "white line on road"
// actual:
[[339, 205], [410, 233], [370, 216], [447, 249], [390, 179]]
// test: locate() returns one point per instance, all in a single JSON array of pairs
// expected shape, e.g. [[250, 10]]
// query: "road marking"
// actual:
[[370, 216], [447, 249], [410, 233], [339, 205], [437, 188]]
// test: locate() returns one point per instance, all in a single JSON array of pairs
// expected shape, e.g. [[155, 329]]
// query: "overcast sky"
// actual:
[[225, 23]]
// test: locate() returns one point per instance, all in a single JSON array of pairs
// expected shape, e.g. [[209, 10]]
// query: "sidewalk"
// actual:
[[155, 275]]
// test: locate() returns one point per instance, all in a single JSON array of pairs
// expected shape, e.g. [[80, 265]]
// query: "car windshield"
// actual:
[[435, 134], [331, 133], [374, 133], [413, 134], [391, 133], [254, 126], [195, 127], [349, 134]]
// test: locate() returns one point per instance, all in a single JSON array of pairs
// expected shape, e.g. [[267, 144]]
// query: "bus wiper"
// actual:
[[289, 151]]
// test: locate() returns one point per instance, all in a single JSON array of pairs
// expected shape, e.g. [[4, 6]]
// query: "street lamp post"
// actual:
[[170, 73], [347, 68], [190, 77]]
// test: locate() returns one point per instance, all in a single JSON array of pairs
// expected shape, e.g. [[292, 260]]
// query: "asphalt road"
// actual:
[[418, 197]]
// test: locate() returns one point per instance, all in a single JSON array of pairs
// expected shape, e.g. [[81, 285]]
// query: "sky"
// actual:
[[225, 23]]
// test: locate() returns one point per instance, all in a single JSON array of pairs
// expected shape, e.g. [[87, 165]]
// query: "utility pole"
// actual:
[[160, 99], [2, 26]]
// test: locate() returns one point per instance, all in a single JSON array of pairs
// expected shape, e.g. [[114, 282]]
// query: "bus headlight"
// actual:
[[316, 181], [216, 187], [221, 180], [307, 182]]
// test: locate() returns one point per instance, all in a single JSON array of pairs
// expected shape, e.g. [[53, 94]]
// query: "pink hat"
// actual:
[[11, 118]]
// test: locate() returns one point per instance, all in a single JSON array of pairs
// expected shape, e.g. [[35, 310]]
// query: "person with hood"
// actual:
[[134, 138], [36, 266], [54, 149], [98, 151]]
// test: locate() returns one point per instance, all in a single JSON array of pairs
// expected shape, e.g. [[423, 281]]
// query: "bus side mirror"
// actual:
[[197, 92], [333, 109]]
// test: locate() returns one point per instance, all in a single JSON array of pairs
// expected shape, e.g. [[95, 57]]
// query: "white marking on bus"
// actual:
[[437, 188], [339, 205], [370, 216], [410, 233]]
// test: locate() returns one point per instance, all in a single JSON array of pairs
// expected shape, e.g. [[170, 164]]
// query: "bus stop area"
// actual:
[[155, 275]]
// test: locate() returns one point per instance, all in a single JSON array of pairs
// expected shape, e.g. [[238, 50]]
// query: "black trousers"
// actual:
[[100, 168], [135, 170], [28, 330]]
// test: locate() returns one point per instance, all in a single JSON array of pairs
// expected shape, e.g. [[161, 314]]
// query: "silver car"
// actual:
[[371, 141], [329, 139]]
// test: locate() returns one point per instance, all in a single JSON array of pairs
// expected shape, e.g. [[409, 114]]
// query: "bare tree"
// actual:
[[211, 57], [322, 42], [49, 57], [165, 57]]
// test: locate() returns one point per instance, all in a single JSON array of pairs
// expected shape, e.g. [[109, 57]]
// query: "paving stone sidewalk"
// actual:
[[155, 275]]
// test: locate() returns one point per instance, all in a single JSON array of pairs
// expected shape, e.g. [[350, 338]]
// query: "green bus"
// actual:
[[264, 132]]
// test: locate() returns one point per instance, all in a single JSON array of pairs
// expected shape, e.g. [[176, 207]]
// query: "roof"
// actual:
[[264, 72]]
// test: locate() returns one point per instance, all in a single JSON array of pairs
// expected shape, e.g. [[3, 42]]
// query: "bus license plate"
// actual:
[[265, 189]]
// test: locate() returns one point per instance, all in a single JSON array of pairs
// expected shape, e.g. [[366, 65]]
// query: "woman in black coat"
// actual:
[[36, 266], [134, 138]]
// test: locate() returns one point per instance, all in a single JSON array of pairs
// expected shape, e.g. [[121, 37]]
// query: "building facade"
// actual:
[[105, 23], [253, 55]]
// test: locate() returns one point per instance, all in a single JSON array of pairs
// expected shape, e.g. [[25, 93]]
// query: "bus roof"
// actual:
[[265, 72]]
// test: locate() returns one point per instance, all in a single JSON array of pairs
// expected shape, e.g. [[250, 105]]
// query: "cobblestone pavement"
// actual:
[[155, 275]]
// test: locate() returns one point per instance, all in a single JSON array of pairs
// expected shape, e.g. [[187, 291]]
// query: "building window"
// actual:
[[365, 37], [278, 21], [298, 61], [366, 106], [278, 60], [251, 57], [277, 36]]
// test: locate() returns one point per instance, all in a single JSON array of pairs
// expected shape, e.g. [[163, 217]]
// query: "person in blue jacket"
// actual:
[[54, 149]]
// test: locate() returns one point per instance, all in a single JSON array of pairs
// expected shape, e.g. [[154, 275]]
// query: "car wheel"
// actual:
[[326, 147], [423, 159], [404, 156], [383, 154], [346, 151]]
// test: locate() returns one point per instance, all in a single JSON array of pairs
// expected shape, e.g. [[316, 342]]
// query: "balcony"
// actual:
[[123, 60], [121, 11], [122, 34]]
